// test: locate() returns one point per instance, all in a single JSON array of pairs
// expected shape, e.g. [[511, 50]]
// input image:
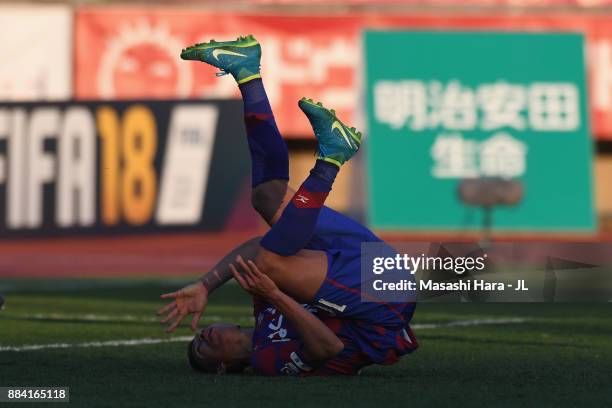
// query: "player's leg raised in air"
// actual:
[[295, 253], [311, 252], [269, 157], [283, 247]]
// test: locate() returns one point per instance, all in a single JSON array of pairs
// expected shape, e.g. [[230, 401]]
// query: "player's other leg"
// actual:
[[337, 144], [282, 255], [269, 156]]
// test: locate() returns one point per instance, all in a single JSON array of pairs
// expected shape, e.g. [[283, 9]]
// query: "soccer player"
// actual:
[[311, 255]]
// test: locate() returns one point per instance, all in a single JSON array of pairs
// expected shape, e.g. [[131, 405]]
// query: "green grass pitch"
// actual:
[[470, 355]]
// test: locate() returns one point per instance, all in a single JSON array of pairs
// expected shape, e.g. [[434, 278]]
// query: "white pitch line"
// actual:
[[467, 323], [85, 317], [216, 318], [105, 318], [94, 344], [148, 341]]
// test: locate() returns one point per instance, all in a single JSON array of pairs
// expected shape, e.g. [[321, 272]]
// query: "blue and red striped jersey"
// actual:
[[278, 349]]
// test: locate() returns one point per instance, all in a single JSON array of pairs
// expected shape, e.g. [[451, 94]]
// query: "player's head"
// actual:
[[220, 348]]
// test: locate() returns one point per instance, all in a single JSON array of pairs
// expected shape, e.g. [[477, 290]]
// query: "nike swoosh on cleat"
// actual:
[[338, 125], [220, 51]]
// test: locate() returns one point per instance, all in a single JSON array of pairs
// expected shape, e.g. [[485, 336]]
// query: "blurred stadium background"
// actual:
[[124, 172], [97, 110]]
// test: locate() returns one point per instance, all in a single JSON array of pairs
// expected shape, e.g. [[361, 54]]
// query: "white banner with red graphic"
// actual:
[[130, 53]]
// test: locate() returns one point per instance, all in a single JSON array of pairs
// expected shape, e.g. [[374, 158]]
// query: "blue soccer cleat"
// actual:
[[240, 58], [337, 142]]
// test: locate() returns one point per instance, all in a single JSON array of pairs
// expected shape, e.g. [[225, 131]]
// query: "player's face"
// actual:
[[217, 343]]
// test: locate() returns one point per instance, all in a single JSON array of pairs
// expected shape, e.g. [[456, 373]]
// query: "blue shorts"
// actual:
[[340, 294]]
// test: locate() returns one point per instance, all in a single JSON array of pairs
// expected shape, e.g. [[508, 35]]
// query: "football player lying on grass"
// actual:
[[311, 254]]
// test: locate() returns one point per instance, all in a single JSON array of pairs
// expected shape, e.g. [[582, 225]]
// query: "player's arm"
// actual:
[[320, 343], [192, 299], [221, 273]]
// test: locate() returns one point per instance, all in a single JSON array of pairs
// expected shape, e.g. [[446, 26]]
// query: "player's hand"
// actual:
[[253, 280], [191, 299]]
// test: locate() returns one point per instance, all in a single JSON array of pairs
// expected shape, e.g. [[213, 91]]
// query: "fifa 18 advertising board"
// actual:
[[120, 166]]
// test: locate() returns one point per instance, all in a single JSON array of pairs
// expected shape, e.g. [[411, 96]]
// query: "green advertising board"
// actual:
[[448, 106]]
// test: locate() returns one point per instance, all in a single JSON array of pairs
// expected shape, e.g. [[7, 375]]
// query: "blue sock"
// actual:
[[269, 156], [296, 225]]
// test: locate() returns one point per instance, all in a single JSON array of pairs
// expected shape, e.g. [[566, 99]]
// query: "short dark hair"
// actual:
[[195, 364]]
